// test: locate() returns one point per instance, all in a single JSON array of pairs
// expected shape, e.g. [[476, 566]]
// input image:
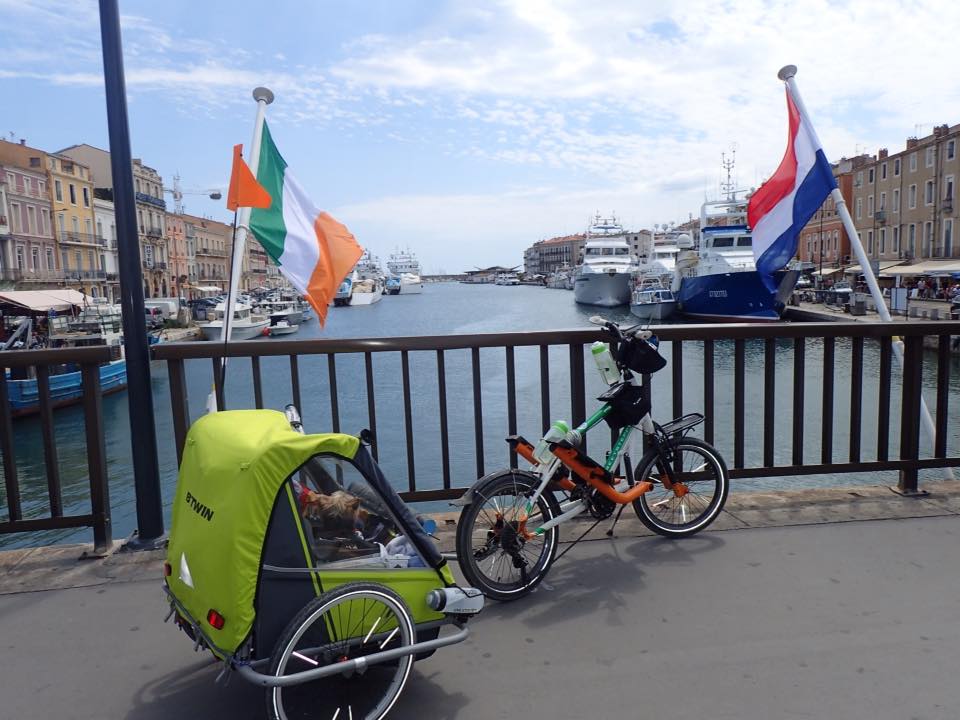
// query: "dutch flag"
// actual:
[[785, 203]]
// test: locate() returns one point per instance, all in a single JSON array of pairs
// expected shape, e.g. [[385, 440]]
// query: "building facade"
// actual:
[[151, 225], [903, 205], [211, 241], [106, 231], [30, 250], [824, 244], [71, 188], [547, 256], [255, 263], [179, 267]]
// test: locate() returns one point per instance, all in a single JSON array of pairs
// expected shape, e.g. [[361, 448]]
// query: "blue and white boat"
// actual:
[[66, 388], [344, 292], [719, 280]]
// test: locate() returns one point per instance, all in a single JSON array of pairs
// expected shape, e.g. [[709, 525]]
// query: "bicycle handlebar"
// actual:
[[620, 333]]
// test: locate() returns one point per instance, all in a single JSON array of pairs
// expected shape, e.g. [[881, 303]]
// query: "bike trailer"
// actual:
[[293, 560]]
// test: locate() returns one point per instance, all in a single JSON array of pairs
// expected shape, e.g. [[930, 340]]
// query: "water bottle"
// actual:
[[557, 432], [605, 362]]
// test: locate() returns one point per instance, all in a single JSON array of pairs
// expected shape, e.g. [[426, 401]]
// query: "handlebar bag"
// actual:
[[640, 356], [627, 405]]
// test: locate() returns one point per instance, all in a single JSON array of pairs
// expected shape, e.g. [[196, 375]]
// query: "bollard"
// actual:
[[913, 312], [934, 314]]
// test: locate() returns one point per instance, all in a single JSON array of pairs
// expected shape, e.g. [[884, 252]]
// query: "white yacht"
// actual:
[[405, 273], [605, 276], [507, 278], [245, 326], [652, 300], [366, 292]]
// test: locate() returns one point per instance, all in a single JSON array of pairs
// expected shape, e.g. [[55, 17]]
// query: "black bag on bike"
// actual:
[[627, 406], [640, 356]]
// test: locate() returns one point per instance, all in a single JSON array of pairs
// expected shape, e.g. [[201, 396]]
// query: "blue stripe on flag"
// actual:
[[814, 189]]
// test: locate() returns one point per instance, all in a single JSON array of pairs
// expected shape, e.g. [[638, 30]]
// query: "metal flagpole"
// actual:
[[264, 97], [787, 74]]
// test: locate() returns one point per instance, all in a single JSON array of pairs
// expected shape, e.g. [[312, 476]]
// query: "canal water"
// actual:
[[452, 308]]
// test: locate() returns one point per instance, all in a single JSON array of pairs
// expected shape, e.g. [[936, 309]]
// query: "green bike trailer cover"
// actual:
[[234, 464]]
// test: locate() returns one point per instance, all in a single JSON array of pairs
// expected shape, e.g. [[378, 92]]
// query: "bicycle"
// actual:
[[508, 530]]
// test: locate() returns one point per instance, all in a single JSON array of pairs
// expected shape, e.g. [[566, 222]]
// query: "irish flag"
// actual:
[[314, 251]]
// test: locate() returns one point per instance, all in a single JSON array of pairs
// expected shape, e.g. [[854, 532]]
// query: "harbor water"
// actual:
[[453, 308]]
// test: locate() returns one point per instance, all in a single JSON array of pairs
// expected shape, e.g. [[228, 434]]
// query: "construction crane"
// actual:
[[178, 192]]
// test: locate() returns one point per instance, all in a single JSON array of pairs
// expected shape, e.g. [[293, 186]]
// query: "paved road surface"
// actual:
[[835, 622]]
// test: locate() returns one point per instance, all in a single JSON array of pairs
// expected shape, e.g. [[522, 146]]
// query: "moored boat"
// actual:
[[652, 300], [604, 277], [404, 266], [245, 325]]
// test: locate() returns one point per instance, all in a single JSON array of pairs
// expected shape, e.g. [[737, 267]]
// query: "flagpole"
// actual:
[[264, 97], [787, 74]]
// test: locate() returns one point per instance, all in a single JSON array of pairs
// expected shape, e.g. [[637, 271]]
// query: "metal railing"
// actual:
[[713, 345], [68, 236], [41, 362]]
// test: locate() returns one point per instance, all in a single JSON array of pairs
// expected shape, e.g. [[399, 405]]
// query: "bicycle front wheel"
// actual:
[[699, 485], [498, 548], [352, 621]]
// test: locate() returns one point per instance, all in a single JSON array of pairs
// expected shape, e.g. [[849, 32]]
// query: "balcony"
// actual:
[[102, 241], [78, 238], [881, 216], [211, 252], [77, 275], [153, 232], [40, 275], [113, 277], [151, 200], [11, 275]]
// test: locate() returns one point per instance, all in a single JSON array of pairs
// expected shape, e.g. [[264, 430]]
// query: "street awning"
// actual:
[[942, 268], [205, 288], [883, 265], [826, 271], [42, 301]]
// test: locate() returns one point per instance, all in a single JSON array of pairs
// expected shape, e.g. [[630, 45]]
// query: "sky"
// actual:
[[466, 131]]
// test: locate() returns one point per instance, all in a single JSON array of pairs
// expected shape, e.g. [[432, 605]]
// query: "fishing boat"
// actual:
[[281, 326], [604, 277], [93, 325], [344, 293], [366, 292], [404, 266], [719, 280], [652, 300], [245, 325]]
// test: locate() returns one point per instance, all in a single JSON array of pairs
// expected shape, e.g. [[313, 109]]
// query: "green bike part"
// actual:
[[617, 447]]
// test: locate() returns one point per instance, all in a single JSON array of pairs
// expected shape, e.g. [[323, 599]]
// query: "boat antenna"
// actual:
[[728, 188]]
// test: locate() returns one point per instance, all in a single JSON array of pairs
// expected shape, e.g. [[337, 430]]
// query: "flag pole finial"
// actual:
[[262, 93], [787, 72]]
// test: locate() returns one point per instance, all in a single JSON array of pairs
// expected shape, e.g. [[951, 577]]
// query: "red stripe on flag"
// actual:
[[783, 181]]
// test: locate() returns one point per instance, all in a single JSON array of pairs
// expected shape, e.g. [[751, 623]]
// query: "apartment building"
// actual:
[[824, 243], [547, 256], [211, 243], [903, 204], [151, 224], [71, 185]]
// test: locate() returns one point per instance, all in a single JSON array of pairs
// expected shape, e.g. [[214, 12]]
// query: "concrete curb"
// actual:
[[61, 567]]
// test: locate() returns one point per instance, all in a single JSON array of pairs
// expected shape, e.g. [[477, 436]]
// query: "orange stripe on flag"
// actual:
[[244, 190], [339, 252]]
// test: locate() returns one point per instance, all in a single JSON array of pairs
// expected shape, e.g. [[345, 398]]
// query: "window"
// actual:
[[103, 262], [912, 240], [948, 187], [927, 237], [870, 176], [50, 265], [140, 215], [99, 228], [870, 241], [67, 166], [58, 190], [35, 259], [859, 208], [64, 260], [31, 219], [896, 201], [883, 201], [928, 195], [91, 256], [931, 156], [73, 194], [76, 225], [16, 220], [12, 182], [61, 223], [43, 187], [21, 262], [913, 162], [896, 167], [28, 186], [34, 162], [948, 237], [883, 240], [896, 239], [836, 240], [44, 222], [912, 197], [859, 180], [86, 197], [951, 149], [869, 205], [79, 258], [883, 171]]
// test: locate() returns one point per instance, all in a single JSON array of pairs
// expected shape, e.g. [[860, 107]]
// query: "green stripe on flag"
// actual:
[[267, 223]]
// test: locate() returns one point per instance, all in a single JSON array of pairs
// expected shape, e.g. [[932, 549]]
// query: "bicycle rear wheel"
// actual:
[[699, 488], [497, 548]]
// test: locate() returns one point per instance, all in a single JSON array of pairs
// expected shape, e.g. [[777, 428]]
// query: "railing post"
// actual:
[[96, 459], [9, 458], [178, 404], [910, 411], [578, 401]]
